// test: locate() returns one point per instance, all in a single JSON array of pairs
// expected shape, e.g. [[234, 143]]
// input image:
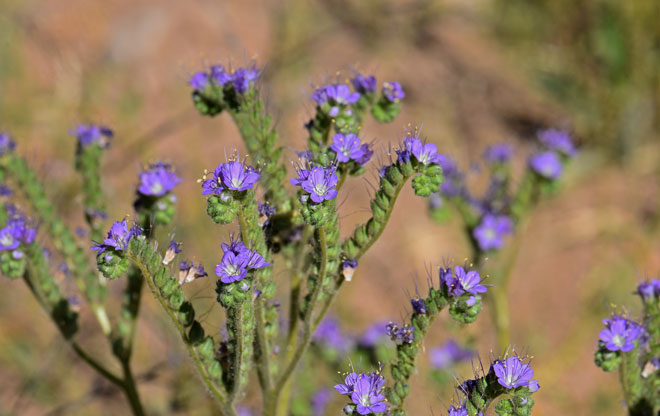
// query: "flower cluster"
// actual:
[[424, 153], [158, 179], [393, 91], [240, 79], [349, 147], [118, 237], [335, 96], [233, 175], [318, 182], [89, 134], [620, 333], [189, 272], [18, 230], [7, 145], [236, 261], [365, 392], [364, 84], [405, 334]]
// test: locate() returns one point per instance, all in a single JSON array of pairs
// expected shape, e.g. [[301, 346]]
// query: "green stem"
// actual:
[[278, 401], [219, 395], [623, 378], [236, 315], [130, 389], [500, 315]]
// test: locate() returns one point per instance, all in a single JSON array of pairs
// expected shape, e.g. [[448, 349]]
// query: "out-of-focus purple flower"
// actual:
[[242, 78], [498, 153], [374, 334], [118, 237], [546, 164], [404, 334], [491, 231], [367, 153], [199, 80], [219, 75], [457, 411], [7, 145], [5, 191], [329, 334], [320, 184], [649, 289], [418, 306], [620, 333], [512, 373], [557, 140], [393, 91], [158, 180], [265, 212], [88, 135], [319, 402], [347, 147], [449, 354], [244, 411], [364, 85], [236, 261]]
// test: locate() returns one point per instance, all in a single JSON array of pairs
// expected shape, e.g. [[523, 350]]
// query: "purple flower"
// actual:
[[374, 334], [418, 306], [232, 175], [7, 145], [320, 401], [347, 147], [649, 289], [348, 268], [265, 212], [172, 250], [557, 140], [457, 411], [491, 231], [335, 94], [512, 373], [393, 91], [498, 153], [469, 281], [367, 153], [17, 230], [199, 81], [329, 333], [242, 78], [236, 261], [619, 333], [365, 391], [219, 75], [92, 134], [244, 411], [320, 184], [158, 180], [364, 85], [546, 164], [118, 237], [5, 190], [10, 237], [405, 334], [448, 354], [303, 174], [424, 153], [237, 176]]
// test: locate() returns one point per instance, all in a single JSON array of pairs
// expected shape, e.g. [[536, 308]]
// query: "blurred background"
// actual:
[[475, 72]]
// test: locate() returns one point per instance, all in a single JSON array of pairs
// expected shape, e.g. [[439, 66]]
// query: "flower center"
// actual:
[[320, 188], [236, 182], [618, 340], [157, 188], [364, 400], [7, 240], [231, 269], [490, 234]]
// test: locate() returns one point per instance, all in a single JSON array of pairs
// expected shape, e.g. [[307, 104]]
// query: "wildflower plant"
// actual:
[[493, 220], [293, 232], [632, 347]]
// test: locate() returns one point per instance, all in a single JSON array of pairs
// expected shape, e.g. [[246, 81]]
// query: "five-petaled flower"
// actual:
[[512, 373], [118, 237], [620, 333], [491, 231], [318, 182], [365, 391], [237, 260], [347, 147], [158, 180], [232, 175], [546, 164]]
